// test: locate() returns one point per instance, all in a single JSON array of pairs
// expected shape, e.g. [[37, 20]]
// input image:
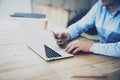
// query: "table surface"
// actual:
[[17, 62]]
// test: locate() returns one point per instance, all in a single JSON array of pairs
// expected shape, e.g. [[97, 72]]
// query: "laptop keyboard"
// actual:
[[51, 53]]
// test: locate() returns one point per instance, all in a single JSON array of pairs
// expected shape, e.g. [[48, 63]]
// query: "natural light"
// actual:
[[8, 7]]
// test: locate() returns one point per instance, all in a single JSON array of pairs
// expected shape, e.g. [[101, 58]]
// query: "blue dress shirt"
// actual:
[[107, 25]]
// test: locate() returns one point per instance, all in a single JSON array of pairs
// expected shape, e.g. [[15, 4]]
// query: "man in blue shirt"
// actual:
[[105, 15]]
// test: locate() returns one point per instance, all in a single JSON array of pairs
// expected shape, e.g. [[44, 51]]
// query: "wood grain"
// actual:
[[17, 62]]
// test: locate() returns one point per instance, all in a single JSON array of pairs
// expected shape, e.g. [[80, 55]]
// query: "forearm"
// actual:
[[87, 22], [74, 31]]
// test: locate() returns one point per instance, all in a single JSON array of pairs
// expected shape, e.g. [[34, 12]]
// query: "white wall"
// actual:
[[10, 6]]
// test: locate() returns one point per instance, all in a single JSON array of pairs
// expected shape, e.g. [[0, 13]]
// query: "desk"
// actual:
[[17, 62]]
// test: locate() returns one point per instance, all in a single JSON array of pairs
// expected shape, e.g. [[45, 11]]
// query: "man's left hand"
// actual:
[[77, 46]]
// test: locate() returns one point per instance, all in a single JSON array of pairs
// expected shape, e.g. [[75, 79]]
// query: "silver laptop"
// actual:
[[42, 43]]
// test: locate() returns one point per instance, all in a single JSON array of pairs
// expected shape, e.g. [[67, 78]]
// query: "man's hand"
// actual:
[[77, 46], [63, 38]]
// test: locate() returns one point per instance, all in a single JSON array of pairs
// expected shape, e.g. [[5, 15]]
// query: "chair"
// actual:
[[57, 17]]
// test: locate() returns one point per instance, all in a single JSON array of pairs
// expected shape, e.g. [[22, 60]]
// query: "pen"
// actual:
[[56, 37], [87, 76]]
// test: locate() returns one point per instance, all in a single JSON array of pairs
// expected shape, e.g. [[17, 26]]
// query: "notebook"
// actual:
[[42, 43]]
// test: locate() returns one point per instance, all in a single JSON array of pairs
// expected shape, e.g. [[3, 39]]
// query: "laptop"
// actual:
[[42, 43]]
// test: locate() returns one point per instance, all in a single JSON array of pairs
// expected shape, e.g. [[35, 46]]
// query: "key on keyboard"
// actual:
[[51, 53]]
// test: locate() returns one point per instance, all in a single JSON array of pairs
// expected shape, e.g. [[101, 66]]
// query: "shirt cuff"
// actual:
[[98, 49]]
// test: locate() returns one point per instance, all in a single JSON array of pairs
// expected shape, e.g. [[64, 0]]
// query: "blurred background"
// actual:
[[8, 7], [58, 12], [75, 8]]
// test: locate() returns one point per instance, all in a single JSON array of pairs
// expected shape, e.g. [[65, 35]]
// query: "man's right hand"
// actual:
[[64, 37]]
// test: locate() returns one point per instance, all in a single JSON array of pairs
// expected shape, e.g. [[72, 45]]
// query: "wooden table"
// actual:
[[17, 62]]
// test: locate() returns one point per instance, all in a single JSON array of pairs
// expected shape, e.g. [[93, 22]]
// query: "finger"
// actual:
[[59, 42], [76, 50], [70, 49], [67, 47], [59, 35]]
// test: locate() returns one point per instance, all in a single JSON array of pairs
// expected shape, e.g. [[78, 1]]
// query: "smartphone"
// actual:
[[56, 37]]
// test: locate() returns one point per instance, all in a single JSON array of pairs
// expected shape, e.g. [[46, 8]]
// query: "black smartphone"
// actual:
[[56, 37]]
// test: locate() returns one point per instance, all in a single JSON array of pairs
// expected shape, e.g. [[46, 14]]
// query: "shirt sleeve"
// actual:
[[109, 49], [87, 22]]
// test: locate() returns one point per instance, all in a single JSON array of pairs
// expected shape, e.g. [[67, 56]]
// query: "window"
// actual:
[[8, 7]]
